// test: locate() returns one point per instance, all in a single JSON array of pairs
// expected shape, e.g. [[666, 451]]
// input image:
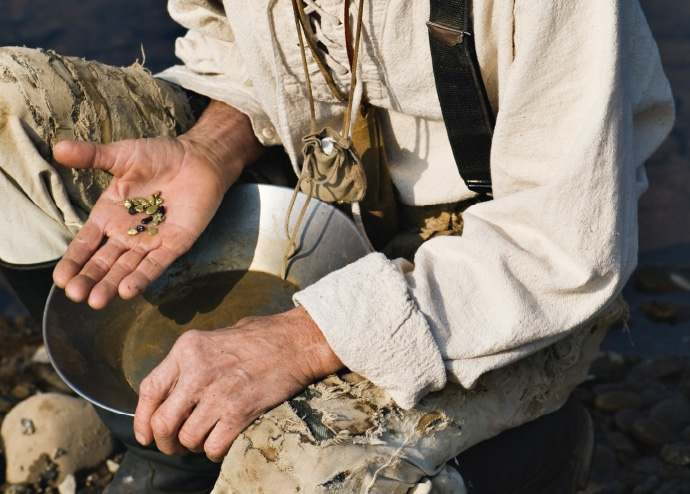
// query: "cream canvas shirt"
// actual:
[[581, 102]]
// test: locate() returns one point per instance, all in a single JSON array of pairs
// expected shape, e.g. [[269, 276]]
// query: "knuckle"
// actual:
[[149, 389], [161, 425], [190, 439], [215, 452], [190, 343]]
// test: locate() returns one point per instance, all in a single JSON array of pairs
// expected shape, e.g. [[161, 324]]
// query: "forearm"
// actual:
[[225, 137]]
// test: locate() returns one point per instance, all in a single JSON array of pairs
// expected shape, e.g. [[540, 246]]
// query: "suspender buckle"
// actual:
[[447, 35], [479, 186]]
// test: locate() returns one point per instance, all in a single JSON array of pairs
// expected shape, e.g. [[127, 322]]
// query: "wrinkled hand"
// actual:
[[213, 384], [192, 172]]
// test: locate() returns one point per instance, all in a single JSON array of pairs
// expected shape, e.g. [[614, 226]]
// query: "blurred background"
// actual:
[[120, 32]]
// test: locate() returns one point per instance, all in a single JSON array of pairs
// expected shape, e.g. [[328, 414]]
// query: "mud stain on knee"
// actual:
[[336, 481], [313, 419], [267, 451], [429, 421]]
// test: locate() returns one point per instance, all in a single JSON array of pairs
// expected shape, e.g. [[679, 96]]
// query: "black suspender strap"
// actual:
[[465, 106]]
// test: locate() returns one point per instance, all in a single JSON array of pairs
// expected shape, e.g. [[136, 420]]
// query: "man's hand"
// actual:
[[213, 384], [193, 172]]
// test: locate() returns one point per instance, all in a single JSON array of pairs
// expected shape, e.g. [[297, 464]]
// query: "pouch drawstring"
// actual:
[[350, 156]]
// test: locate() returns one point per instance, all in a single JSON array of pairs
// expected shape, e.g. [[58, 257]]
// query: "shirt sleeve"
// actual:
[[584, 104], [213, 65]]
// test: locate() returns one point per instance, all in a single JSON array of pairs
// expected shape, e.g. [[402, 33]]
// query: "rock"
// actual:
[[52, 379], [638, 383], [604, 458], [40, 356], [68, 486], [613, 401], [16, 489], [676, 453], [113, 466], [648, 466], [21, 391], [621, 443], [661, 366], [685, 382], [631, 478], [654, 394], [5, 404], [672, 486], [654, 278], [625, 418], [19, 322], [610, 365], [652, 433], [60, 423], [659, 312], [674, 412], [681, 280], [648, 486]]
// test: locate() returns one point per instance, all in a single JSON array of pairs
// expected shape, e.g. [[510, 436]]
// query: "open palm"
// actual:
[[191, 187]]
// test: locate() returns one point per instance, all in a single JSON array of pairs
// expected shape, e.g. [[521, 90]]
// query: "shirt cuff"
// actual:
[[222, 88], [373, 325]]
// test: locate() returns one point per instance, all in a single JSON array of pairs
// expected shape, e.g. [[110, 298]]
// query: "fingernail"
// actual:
[[140, 438]]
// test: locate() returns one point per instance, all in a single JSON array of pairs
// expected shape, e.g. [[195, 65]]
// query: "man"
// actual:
[[491, 329]]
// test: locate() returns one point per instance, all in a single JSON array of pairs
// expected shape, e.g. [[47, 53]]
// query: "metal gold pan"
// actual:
[[232, 271]]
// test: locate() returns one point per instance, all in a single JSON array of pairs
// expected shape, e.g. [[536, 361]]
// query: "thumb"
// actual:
[[81, 154]]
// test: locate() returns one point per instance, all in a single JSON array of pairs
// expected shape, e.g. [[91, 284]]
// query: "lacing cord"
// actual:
[[304, 30]]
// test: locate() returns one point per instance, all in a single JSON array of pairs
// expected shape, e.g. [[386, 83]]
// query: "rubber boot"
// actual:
[[550, 455], [31, 284], [145, 470]]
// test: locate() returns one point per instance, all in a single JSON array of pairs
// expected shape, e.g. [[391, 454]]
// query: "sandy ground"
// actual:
[[118, 32]]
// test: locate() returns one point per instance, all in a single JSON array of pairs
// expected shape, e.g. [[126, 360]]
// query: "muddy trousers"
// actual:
[[342, 434]]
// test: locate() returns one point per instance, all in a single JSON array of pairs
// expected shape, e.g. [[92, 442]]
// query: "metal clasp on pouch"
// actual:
[[446, 35]]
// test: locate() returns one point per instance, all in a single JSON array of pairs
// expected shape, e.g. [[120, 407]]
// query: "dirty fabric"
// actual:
[[46, 98], [343, 434]]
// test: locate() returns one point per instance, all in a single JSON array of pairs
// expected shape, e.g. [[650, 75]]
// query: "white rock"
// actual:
[[113, 466], [41, 355], [68, 486], [58, 423]]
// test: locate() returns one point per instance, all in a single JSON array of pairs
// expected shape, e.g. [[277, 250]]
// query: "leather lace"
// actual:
[[305, 32]]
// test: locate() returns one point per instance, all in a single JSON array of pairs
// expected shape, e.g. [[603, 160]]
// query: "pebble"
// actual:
[[648, 466], [625, 419], [604, 458], [21, 391], [621, 443], [659, 312], [648, 486], [613, 401], [16, 489], [652, 433], [40, 356], [654, 278], [113, 466], [676, 453], [658, 367], [673, 412], [68, 486]]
